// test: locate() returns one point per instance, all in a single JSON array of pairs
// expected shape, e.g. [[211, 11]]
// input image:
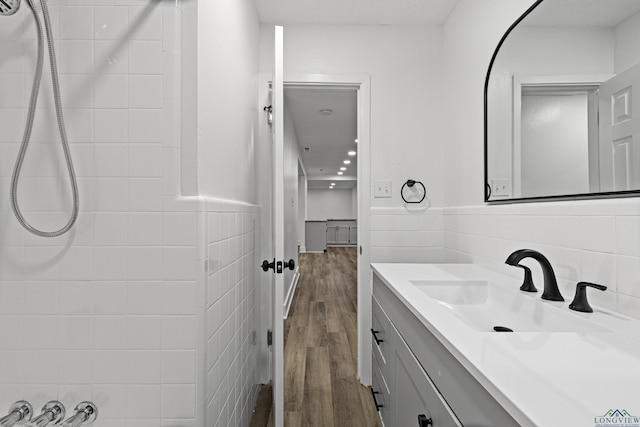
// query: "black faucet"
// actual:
[[551, 291]]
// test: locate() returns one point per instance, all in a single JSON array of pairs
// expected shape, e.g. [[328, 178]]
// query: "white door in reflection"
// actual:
[[554, 141], [620, 131]]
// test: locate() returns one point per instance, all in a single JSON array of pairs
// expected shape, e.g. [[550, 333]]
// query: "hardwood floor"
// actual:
[[320, 384]]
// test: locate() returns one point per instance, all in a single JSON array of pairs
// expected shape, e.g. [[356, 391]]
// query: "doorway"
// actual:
[[359, 84]]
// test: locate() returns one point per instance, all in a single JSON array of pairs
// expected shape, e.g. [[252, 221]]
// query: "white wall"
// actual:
[[330, 204], [302, 210], [627, 53], [585, 240], [354, 201], [407, 132], [230, 218], [291, 238], [471, 33], [405, 92], [229, 112]]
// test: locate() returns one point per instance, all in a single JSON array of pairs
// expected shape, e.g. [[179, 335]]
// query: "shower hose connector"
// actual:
[[52, 413], [86, 413], [19, 413]]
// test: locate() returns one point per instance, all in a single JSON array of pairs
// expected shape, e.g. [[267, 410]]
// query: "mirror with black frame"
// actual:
[[562, 103]]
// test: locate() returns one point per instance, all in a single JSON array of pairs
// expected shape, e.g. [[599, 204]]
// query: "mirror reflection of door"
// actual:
[[589, 41], [619, 132], [558, 133]]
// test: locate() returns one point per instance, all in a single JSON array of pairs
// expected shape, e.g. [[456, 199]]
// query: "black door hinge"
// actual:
[[269, 337]]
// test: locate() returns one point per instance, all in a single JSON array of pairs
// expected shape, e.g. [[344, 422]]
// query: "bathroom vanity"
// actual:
[[437, 361]]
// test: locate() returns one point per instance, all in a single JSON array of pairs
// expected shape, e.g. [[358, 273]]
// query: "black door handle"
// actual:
[[291, 264], [266, 265], [423, 421]]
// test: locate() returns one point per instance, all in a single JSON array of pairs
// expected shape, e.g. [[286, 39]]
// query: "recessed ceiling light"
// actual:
[[343, 168], [356, 140], [340, 173], [326, 111], [351, 153], [347, 162], [333, 183]]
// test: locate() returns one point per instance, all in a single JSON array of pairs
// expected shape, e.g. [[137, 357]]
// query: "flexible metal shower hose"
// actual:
[[29, 127]]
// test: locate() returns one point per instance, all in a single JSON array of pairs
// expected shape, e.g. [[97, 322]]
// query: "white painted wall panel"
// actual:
[[228, 57], [330, 204]]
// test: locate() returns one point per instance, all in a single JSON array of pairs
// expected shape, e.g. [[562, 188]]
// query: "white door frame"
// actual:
[[362, 84]]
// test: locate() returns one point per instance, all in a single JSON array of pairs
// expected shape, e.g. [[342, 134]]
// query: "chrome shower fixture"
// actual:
[[31, 111], [19, 413], [86, 413], [52, 413], [9, 7]]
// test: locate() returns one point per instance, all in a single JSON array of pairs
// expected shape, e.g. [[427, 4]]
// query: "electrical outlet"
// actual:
[[382, 189], [500, 188]]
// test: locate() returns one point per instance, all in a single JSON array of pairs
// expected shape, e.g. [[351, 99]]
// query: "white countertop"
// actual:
[[541, 378]]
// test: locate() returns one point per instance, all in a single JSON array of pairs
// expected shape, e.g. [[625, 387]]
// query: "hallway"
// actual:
[[321, 388]]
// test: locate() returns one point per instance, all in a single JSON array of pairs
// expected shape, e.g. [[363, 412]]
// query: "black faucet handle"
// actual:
[[527, 283], [580, 302]]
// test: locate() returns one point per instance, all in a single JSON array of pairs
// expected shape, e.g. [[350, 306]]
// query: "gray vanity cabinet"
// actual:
[[383, 353], [402, 389], [415, 395], [414, 374]]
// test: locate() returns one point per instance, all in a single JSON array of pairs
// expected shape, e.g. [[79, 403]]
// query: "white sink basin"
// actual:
[[484, 305]]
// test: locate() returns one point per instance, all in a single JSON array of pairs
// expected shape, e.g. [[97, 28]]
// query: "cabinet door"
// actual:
[[415, 394], [382, 395], [332, 235], [353, 235], [342, 234], [383, 335]]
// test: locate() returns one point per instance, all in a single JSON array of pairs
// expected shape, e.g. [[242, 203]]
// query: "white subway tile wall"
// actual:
[[114, 311], [400, 235], [228, 357], [594, 241]]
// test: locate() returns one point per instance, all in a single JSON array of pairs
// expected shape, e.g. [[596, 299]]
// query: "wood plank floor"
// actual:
[[320, 384]]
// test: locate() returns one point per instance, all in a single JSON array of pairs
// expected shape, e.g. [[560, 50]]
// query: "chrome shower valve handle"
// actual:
[[86, 413], [52, 413], [19, 413]]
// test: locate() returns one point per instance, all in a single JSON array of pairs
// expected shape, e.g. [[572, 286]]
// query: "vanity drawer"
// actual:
[[415, 395], [382, 335], [382, 395]]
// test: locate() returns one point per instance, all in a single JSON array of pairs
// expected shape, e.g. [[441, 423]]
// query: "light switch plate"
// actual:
[[382, 189]]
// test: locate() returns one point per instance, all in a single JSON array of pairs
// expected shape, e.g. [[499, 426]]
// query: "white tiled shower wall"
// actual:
[[114, 311]]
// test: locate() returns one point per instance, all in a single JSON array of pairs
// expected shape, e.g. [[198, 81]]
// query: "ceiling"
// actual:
[[360, 12], [325, 122]]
